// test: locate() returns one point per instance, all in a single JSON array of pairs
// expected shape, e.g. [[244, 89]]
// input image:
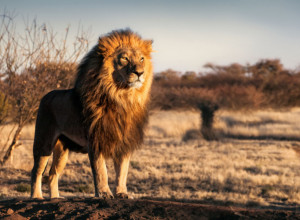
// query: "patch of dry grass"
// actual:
[[260, 171], [171, 123], [242, 172], [260, 124]]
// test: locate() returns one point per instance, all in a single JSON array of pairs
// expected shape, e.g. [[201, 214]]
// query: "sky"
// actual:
[[187, 34]]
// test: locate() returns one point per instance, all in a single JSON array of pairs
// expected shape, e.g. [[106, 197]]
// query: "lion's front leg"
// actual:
[[121, 168], [100, 175]]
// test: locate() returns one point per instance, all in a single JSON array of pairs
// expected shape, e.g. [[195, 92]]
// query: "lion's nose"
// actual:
[[137, 71]]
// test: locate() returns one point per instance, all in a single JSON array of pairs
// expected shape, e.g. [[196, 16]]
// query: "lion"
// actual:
[[104, 115]]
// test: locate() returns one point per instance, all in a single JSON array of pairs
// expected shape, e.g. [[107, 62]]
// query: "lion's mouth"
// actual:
[[136, 81], [136, 84]]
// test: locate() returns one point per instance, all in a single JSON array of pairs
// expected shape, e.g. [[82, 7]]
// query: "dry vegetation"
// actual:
[[32, 63], [257, 165], [264, 84]]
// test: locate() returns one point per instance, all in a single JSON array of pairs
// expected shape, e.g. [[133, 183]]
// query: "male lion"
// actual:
[[103, 115]]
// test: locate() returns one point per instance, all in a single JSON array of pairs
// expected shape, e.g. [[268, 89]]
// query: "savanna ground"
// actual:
[[254, 164]]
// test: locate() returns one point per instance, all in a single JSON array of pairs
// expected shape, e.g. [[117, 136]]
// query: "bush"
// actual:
[[264, 84], [23, 187], [180, 98], [85, 188]]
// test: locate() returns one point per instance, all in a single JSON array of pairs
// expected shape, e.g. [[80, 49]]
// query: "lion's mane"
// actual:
[[114, 116]]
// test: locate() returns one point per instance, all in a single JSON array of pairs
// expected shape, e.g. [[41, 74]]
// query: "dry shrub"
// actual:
[[181, 98], [264, 84], [234, 87], [238, 97], [22, 187], [31, 64], [85, 188], [282, 90], [214, 81]]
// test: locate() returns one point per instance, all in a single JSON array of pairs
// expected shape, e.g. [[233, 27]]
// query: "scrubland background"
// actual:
[[252, 159]]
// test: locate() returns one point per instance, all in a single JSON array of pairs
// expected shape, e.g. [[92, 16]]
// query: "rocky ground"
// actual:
[[90, 208]]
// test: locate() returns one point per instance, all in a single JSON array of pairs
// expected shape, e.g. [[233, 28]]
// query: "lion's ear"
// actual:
[[149, 42], [148, 46]]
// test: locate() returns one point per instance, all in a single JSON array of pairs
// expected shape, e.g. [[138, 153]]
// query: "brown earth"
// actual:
[[91, 208]]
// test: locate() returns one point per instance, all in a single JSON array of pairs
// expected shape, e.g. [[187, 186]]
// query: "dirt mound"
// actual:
[[91, 208]]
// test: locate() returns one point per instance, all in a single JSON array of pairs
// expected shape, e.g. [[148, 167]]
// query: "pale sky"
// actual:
[[187, 34]]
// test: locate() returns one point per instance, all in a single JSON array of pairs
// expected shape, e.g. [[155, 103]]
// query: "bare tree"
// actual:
[[32, 64]]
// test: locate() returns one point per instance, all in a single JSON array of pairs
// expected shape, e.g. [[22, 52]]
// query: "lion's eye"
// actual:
[[142, 59]]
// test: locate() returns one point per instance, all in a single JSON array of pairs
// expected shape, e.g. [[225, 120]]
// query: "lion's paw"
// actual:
[[123, 196], [105, 195]]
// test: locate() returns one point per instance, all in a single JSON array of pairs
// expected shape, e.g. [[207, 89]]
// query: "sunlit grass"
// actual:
[[254, 171]]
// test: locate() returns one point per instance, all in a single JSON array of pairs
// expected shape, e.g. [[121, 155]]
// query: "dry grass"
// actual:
[[261, 124], [251, 168], [171, 123]]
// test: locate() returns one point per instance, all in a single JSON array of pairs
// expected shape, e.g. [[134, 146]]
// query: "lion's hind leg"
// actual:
[[40, 163], [60, 158], [44, 141]]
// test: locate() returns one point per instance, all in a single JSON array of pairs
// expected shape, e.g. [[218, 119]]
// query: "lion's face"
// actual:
[[129, 68]]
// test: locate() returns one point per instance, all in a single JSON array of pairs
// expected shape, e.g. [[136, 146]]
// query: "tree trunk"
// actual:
[[12, 146], [207, 116]]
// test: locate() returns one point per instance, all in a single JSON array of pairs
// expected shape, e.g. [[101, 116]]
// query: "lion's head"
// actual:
[[122, 63], [130, 67]]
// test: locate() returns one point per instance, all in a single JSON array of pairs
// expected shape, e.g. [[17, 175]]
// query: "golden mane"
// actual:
[[115, 117], [123, 38]]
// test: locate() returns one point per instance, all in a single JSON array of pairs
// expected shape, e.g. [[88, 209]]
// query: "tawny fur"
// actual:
[[103, 115]]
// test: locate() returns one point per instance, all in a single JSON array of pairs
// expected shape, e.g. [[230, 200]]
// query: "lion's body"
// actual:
[[60, 113], [103, 115]]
